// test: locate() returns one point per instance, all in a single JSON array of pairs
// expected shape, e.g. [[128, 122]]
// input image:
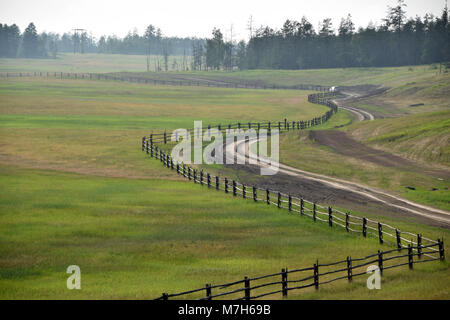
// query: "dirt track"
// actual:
[[338, 192]]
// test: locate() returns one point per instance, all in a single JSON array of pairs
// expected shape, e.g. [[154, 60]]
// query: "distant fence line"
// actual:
[[182, 82], [315, 276], [322, 98]]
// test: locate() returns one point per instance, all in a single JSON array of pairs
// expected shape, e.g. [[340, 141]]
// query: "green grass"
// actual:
[[76, 189], [390, 77], [139, 238], [424, 137], [88, 62]]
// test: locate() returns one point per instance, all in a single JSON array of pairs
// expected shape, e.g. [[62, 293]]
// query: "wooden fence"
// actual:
[[323, 98], [145, 80], [292, 203], [315, 276]]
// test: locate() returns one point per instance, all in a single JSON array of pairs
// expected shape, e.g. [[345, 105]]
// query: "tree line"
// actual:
[[31, 44], [297, 45]]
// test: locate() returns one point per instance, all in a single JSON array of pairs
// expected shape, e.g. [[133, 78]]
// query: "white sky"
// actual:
[[194, 17]]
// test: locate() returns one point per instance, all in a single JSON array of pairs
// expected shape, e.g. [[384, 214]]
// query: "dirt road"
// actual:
[[338, 192]]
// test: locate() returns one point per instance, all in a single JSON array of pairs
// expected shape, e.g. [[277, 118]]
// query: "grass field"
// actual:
[[76, 189], [88, 62]]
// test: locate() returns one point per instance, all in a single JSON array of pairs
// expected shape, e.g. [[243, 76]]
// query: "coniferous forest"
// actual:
[[394, 41]]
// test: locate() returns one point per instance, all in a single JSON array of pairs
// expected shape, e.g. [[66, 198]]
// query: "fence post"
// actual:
[[316, 275], [217, 183], [247, 288], [399, 243], [364, 227], [410, 256], [380, 261], [347, 221], [143, 143], [314, 211], [208, 177], [178, 168], [380, 232], [302, 206], [441, 249], [234, 188], [146, 148], [284, 283], [268, 196], [279, 200], [419, 246], [243, 191], [201, 177], [349, 269], [189, 173], [254, 194], [330, 216], [226, 185], [208, 291], [290, 203]]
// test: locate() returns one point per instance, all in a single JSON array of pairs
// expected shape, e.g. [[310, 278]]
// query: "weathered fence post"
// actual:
[[234, 188], [208, 177], [189, 173], [419, 246], [243, 191], [217, 182], [364, 227], [201, 177], [247, 288], [380, 232], [302, 206], [208, 291], [399, 242], [380, 261], [441, 249], [349, 269], [268, 196], [330, 216], [289, 203], [314, 211], [316, 275], [254, 194], [347, 221], [284, 282], [279, 200], [410, 256]]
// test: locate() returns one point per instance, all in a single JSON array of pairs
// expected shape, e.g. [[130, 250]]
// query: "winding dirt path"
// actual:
[[334, 191]]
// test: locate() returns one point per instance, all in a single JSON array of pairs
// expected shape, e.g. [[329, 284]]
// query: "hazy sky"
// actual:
[[193, 17]]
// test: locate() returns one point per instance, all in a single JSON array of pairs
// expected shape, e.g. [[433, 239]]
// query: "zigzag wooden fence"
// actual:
[[323, 98], [315, 276], [296, 204]]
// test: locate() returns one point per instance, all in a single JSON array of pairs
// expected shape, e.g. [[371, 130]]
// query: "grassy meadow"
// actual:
[[89, 62], [76, 189]]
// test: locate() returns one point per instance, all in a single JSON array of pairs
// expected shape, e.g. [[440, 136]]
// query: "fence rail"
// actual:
[[145, 80], [315, 276], [323, 98]]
